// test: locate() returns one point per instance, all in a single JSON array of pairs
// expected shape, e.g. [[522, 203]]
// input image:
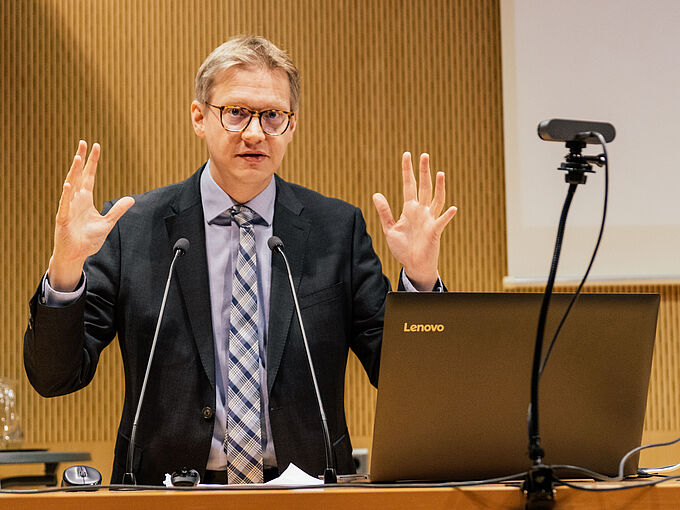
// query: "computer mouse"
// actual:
[[185, 477], [78, 476]]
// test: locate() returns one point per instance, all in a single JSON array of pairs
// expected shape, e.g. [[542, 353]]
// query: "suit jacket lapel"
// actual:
[[293, 230], [186, 220]]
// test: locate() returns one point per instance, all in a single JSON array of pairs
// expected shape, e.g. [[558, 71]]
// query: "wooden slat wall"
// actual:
[[379, 77]]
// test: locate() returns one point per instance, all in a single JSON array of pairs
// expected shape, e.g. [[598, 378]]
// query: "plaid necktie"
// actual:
[[243, 443]]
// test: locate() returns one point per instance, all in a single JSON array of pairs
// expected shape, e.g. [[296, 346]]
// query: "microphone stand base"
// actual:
[[128, 479], [330, 476], [539, 488]]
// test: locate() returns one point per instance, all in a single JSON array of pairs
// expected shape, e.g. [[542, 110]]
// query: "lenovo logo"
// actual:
[[425, 328]]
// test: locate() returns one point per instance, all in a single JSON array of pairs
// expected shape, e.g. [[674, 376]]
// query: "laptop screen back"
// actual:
[[455, 379]]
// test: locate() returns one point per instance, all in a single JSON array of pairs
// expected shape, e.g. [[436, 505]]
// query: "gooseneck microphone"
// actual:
[[330, 474], [179, 249]]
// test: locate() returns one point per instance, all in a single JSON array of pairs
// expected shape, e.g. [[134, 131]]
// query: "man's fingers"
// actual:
[[82, 149], [91, 168], [118, 209], [384, 211], [424, 181], [64, 202], [73, 175], [441, 222], [71, 182], [439, 194], [408, 178]]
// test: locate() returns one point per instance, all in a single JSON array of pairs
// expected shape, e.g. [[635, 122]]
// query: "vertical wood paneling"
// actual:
[[378, 78]]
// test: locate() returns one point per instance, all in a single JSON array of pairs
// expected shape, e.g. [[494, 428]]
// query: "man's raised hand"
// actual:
[[80, 230], [414, 239]]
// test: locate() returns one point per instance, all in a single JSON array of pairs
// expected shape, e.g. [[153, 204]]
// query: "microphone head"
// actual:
[[275, 243], [182, 245]]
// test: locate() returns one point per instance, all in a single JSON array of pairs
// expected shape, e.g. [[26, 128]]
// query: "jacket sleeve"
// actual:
[[62, 344], [369, 289]]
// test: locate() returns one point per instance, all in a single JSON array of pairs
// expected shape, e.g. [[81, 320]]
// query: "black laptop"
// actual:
[[455, 378]]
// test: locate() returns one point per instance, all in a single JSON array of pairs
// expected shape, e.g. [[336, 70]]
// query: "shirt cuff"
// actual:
[[409, 287], [55, 298]]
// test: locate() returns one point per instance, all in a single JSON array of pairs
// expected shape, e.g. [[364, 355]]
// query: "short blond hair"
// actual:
[[247, 50]]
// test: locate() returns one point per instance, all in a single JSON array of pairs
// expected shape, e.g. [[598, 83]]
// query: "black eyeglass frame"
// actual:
[[252, 113]]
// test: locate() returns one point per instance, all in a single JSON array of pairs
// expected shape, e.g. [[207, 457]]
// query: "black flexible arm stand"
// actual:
[[539, 484]]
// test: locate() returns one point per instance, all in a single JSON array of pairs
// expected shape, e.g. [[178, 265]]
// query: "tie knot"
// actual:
[[242, 215]]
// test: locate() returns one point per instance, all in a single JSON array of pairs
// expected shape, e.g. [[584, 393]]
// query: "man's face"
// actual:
[[243, 163]]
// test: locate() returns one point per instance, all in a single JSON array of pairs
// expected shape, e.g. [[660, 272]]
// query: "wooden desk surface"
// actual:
[[491, 497]]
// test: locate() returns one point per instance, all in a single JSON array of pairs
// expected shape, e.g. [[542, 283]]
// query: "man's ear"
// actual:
[[198, 118], [293, 123]]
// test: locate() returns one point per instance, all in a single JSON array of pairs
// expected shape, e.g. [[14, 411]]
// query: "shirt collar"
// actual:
[[216, 201]]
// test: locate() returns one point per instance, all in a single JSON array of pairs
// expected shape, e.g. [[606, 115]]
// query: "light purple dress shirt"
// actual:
[[220, 240]]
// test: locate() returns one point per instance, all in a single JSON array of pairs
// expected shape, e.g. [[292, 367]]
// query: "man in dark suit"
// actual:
[[107, 273]]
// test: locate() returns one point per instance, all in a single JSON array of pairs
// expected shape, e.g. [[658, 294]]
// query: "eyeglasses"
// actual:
[[237, 119]]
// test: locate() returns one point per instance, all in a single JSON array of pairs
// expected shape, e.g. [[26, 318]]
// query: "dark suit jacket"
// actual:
[[341, 288]]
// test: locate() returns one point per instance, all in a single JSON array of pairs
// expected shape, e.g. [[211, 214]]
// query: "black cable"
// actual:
[[621, 477], [592, 259], [624, 485], [377, 486], [644, 447], [592, 474]]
